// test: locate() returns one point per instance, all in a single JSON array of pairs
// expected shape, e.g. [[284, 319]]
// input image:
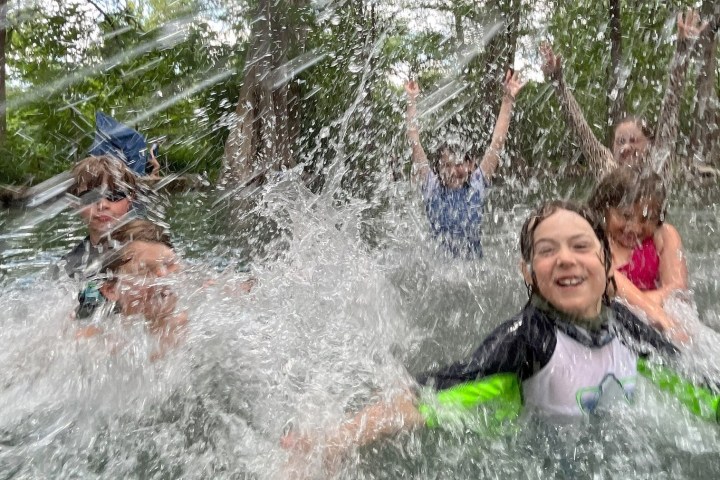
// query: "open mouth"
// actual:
[[628, 240], [569, 281]]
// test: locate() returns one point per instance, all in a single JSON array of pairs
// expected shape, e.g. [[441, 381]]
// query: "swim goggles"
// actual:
[[588, 398], [89, 197]]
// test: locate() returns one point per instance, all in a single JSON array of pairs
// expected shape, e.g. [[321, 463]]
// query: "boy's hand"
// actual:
[[512, 84], [412, 89]]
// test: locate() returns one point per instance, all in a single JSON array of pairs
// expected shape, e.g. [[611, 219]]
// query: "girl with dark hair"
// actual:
[[454, 188], [569, 343]]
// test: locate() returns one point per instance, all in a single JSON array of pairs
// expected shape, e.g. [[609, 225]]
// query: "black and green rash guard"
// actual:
[[560, 367]]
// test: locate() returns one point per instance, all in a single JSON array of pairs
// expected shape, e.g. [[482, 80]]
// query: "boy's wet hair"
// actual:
[[639, 122], [451, 147], [102, 171], [527, 237], [626, 186], [135, 230]]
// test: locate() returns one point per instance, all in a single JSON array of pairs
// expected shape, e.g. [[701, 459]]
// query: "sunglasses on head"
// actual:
[[92, 196]]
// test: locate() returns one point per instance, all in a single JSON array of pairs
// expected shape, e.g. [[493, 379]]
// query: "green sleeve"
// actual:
[[492, 400], [701, 401]]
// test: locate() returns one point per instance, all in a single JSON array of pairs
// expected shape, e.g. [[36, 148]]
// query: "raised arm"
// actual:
[[511, 88], [598, 155], [663, 152], [153, 161], [420, 167]]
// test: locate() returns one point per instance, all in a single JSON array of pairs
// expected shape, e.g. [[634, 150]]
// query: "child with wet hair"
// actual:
[[453, 186], [647, 252], [105, 189], [634, 142], [571, 342], [134, 281]]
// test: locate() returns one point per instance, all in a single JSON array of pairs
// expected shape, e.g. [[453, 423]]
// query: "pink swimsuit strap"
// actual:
[[644, 266]]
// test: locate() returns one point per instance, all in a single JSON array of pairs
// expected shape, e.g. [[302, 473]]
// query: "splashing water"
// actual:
[[353, 296], [332, 325]]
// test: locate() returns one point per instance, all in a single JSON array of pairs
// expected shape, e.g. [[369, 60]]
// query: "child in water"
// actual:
[[134, 271], [647, 252], [570, 343], [454, 188], [105, 190], [634, 142]]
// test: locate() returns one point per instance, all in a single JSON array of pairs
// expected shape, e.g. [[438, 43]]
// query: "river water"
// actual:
[[351, 296]]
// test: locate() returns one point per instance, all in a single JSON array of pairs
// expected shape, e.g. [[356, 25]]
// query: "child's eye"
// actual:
[[582, 246], [545, 251]]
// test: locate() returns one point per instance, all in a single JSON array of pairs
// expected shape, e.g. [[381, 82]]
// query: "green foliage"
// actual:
[[64, 70], [166, 68], [579, 30]]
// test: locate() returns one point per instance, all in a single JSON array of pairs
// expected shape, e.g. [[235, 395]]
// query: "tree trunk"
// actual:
[[512, 32], [262, 137], [459, 30], [615, 94], [488, 71], [3, 96], [705, 133]]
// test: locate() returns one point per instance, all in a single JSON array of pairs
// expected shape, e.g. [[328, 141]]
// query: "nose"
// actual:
[[565, 256], [102, 204], [633, 225]]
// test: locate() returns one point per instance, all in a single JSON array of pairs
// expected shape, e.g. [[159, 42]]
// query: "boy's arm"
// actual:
[[420, 166], [491, 159], [598, 155]]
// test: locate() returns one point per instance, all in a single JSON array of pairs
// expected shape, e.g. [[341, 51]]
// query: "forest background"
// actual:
[[238, 88]]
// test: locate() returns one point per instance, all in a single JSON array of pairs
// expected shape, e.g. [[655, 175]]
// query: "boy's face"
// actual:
[[102, 214], [139, 287], [629, 226], [567, 265], [453, 170]]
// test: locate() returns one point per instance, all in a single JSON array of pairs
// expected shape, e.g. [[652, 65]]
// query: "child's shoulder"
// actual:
[[666, 235]]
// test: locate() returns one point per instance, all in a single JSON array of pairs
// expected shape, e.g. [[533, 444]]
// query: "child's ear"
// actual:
[[108, 291], [526, 269]]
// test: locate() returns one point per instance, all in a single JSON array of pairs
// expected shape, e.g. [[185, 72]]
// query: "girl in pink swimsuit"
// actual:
[[647, 252], [643, 269]]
